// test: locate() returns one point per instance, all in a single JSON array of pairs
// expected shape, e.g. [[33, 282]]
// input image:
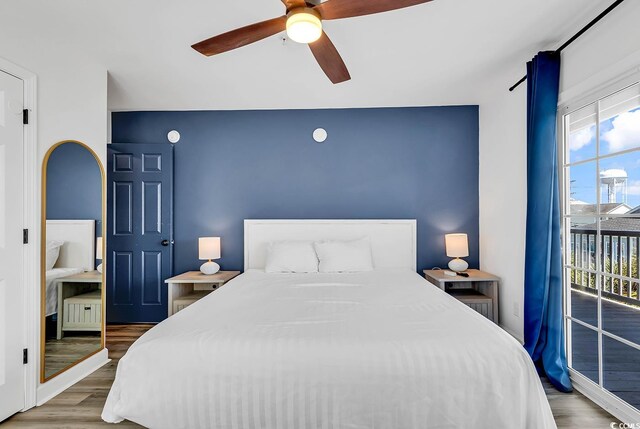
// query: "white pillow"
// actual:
[[344, 256], [291, 257], [53, 252]]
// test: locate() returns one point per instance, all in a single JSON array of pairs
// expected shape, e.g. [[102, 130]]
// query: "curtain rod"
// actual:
[[575, 36]]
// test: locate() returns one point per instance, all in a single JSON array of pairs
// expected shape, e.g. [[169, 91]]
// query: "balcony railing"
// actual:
[[620, 264]]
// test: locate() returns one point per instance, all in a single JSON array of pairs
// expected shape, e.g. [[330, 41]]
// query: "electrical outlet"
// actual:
[[516, 309]]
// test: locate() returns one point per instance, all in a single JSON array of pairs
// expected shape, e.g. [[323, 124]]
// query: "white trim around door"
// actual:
[[30, 276]]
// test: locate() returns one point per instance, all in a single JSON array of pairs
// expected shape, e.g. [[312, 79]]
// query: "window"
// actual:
[[601, 226]]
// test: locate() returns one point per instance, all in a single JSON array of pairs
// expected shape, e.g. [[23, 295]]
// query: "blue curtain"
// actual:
[[543, 323]]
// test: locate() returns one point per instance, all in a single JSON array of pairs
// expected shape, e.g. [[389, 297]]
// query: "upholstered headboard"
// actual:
[[393, 242], [78, 250]]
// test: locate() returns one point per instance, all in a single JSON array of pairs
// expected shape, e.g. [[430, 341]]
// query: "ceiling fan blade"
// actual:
[[292, 4], [337, 9], [329, 59], [241, 36]]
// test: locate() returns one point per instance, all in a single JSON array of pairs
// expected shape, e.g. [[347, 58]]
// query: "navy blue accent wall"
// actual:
[[74, 185], [391, 163]]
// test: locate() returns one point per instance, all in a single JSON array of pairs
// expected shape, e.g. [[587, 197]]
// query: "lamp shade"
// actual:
[[304, 26], [99, 248], [209, 247], [457, 245]]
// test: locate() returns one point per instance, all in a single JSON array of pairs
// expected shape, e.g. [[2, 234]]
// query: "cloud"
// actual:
[[633, 187], [581, 138], [625, 133]]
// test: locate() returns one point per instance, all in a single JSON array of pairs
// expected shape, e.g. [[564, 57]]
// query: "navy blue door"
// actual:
[[139, 231]]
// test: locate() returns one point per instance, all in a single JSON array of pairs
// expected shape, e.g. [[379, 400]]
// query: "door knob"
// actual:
[[165, 242]]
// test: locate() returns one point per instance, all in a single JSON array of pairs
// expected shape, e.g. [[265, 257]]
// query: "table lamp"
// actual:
[[99, 253], [457, 246], [208, 249]]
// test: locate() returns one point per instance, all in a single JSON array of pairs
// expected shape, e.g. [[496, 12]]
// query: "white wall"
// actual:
[[606, 52], [503, 181], [72, 98], [72, 82]]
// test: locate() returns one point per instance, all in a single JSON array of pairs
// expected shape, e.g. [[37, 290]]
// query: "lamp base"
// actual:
[[99, 268], [458, 265], [209, 268]]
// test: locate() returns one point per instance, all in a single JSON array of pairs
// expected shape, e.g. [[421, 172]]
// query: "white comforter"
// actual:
[[383, 349], [51, 303]]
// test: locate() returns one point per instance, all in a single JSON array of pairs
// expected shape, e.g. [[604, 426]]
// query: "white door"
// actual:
[[11, 247]]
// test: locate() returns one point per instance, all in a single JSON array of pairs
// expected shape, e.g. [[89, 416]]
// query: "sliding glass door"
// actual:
[[601, 230]]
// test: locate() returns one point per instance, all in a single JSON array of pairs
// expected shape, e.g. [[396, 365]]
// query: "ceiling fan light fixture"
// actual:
[[304, 25]]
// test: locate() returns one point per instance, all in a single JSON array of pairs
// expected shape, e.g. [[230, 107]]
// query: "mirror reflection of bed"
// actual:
[[72, 287]]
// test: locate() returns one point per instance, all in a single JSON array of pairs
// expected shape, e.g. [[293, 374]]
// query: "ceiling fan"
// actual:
[[303, 23]]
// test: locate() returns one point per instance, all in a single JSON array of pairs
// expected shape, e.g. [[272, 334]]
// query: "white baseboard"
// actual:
[[71, 376], [604, 399]]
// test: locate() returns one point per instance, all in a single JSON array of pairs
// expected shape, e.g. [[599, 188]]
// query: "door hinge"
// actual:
[[25, 236], [25, 356], [25, 116]]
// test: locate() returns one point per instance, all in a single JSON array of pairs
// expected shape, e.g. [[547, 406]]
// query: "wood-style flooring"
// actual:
[[80, 405], [59, 354]]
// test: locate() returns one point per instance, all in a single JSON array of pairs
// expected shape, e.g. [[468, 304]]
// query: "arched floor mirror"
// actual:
[[72, 296]]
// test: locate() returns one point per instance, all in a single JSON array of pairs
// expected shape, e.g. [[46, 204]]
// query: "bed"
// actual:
[[377, 349], [76, 254]]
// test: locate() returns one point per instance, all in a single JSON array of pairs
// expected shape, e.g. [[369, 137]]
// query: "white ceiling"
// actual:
[[438, 53]]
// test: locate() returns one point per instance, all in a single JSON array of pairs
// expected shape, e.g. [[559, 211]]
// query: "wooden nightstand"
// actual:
[[79, 296], [189, 287], [479, 291]]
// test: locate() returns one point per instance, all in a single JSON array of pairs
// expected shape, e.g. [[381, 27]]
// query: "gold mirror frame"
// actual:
[[43, 245]]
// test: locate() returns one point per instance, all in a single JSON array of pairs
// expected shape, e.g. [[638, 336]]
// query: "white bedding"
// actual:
[[379, 349], [51, 303]]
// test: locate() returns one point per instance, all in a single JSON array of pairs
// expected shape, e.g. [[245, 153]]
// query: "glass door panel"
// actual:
[[584, 351], [583, 195], [601, 209], [581, 134], [621, 372], [619, 119], [583, 300], [620, 303]]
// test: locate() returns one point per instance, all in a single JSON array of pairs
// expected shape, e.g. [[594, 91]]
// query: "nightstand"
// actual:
[[478, 291], [79, 302], [189, 287]]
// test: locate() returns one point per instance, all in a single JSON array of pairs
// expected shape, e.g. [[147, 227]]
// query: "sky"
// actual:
[[619, 133]]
